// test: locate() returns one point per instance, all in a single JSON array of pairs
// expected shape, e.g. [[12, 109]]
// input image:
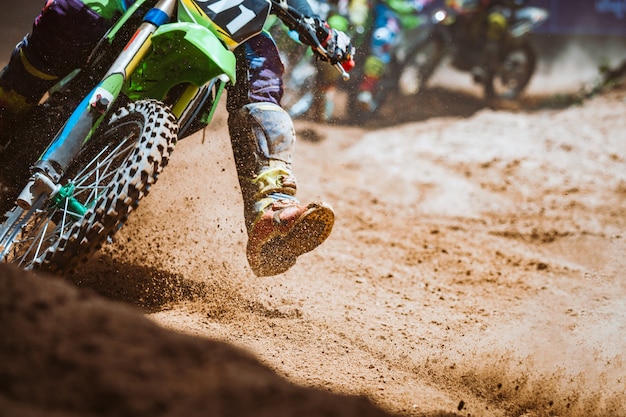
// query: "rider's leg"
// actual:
[[279, 227], [491, 34], [61, 38], [497, 26]]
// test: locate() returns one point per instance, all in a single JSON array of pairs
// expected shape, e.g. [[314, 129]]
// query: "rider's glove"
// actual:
[[340, 49], [337, 44]]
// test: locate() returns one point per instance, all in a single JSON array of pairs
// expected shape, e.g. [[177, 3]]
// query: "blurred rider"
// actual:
[[279, 227], [480, 26], [349, 16], [390, 17]]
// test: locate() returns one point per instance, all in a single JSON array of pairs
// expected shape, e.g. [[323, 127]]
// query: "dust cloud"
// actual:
[[574, 64]]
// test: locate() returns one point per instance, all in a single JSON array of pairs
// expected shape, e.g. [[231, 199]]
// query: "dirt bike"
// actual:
[[505, 72], [100, 138]]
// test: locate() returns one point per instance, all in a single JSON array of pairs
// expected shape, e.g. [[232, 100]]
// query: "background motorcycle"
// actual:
[[505, 73], [101, 137], [413, 60]]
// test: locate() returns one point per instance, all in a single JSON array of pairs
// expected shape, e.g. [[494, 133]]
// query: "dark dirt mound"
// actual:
[[67, 352]]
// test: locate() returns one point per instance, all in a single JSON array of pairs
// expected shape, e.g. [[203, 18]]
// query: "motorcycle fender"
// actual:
[[181, 52]]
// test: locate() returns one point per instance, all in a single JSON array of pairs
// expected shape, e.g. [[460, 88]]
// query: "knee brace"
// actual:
[[262, 135]]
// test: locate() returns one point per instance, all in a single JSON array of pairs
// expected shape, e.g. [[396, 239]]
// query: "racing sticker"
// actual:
[[237, 19]]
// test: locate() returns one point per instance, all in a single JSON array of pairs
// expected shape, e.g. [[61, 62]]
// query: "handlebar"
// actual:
[[296, 21]]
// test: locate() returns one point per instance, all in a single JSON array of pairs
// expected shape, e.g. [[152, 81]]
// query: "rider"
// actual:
[[279, 227], [390, 18], [352, 17], [481, 25]]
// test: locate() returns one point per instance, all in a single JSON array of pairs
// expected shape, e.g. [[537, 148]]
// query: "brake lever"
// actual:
[[340, 69], [317, 46]]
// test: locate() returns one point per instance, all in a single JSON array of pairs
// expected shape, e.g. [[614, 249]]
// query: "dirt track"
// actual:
[[476, 268]]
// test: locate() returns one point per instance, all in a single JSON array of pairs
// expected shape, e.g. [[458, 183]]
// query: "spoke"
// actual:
[[31, 238], [101, 172], [27, 244], [43, 235], [64, 216]]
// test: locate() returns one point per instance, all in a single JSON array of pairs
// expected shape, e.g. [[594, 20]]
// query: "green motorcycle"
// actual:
[[101, 137]]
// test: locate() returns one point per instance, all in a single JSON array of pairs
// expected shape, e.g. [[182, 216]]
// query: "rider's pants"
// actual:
[[261, 132], [61, 39]]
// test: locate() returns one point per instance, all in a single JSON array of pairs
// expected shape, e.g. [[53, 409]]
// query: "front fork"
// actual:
[[88, 115]]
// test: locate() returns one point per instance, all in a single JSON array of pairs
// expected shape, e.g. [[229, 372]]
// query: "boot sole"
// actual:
[[313, 228]]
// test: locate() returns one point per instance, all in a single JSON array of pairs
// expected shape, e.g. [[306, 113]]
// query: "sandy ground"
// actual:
[[476, 269]]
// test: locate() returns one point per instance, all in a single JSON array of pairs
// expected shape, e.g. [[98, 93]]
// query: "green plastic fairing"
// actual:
[[181, 53]]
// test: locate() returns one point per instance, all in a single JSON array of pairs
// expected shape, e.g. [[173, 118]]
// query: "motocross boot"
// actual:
[[21, 87], [485, 62], [280, 228], [283, 228], [365, 101]]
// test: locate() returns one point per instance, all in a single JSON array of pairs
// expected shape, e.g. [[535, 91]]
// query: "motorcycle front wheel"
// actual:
[[512, 73], [420, 64], [101, 187]]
